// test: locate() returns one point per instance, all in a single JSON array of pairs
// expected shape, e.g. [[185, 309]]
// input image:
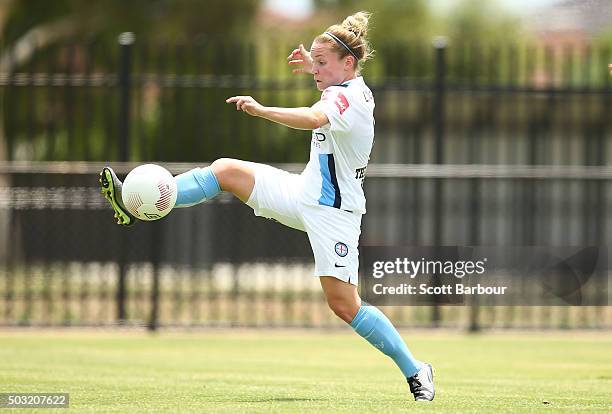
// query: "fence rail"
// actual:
[[232, 82], [495, 171]]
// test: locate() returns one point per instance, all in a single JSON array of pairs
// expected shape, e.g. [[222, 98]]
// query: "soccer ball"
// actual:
[[149, 192]]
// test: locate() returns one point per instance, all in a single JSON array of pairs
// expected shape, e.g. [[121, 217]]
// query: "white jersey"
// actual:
[[340, 150]]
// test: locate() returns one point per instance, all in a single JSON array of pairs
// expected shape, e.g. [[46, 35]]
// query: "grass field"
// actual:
[[307, 371]]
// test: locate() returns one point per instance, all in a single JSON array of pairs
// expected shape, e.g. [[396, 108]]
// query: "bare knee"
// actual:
[[344, 309], [223, 168], [234, 176]]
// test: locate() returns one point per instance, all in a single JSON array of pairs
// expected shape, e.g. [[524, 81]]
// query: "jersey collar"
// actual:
[[346, 84]]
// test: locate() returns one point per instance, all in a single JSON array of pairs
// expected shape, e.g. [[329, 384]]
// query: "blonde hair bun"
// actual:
[[357, 23]]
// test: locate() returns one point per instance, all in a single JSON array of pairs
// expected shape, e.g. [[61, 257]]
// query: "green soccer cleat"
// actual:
[[111, 188]]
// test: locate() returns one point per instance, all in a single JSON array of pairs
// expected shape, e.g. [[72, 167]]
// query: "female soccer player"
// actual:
[[326, 200]]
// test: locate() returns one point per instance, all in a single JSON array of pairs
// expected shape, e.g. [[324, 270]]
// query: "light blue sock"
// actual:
[[377, 329], [196, 186]]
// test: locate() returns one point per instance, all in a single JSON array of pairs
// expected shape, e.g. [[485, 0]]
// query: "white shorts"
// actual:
[[333, 233]]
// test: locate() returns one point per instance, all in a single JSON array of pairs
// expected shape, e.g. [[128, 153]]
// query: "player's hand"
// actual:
[[246, 104], [610, 67], [300, 57]]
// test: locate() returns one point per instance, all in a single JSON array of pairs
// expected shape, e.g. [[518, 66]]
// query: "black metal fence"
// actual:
[[457, 104], [474, 146]]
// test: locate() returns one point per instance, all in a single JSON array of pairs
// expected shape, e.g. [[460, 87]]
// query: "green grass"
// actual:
[[307, 371]]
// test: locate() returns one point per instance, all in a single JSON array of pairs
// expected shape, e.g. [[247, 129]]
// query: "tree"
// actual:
[[478, 22]]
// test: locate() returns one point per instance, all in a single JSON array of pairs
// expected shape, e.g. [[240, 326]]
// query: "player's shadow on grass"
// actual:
[[274, 399]]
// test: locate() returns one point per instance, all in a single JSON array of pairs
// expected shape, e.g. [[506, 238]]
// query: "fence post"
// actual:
[[157, 237], [439, 43], [153, 322], [601, 234], [125, 43], [126, 40]]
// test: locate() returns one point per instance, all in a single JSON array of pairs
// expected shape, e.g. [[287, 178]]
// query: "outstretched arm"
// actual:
[[298, 118]]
